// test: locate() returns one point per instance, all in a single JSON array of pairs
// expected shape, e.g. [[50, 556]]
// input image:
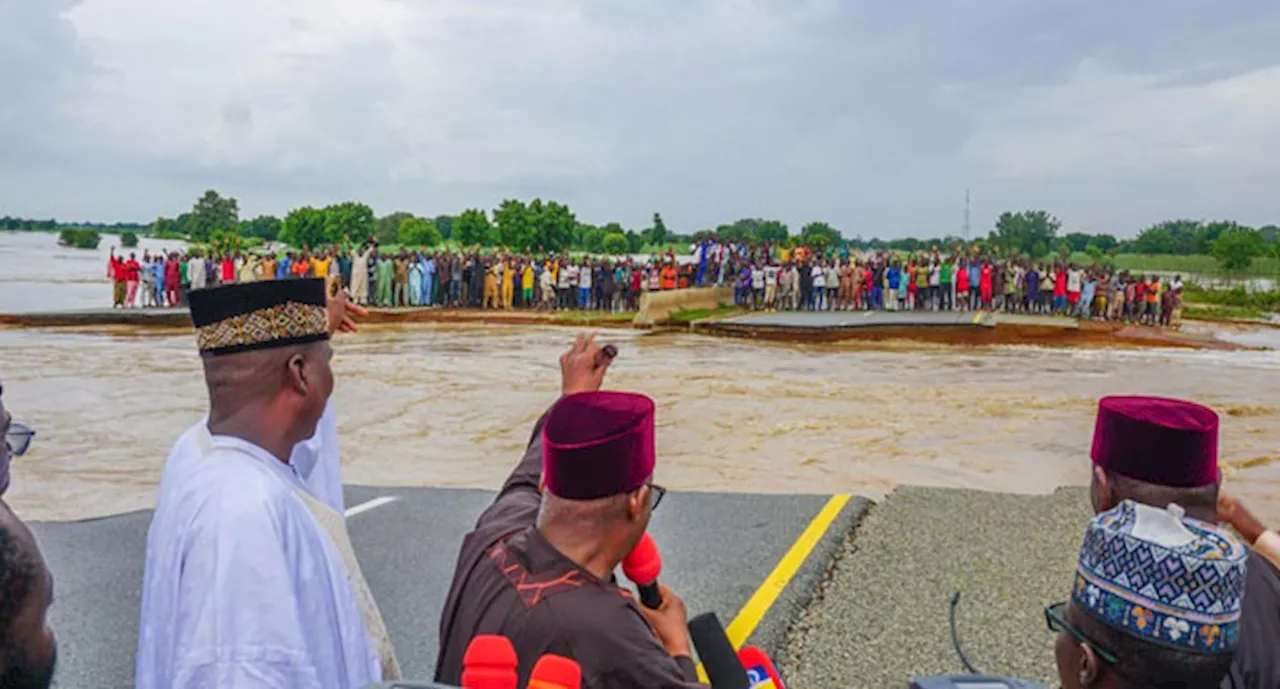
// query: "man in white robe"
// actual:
[[195, 271], [315, 461], [250, 578], [360, 274]]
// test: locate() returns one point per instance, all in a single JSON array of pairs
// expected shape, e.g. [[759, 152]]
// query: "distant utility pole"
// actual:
[[966, 215]]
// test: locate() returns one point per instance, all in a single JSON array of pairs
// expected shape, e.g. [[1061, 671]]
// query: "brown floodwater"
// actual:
[[452, 405]]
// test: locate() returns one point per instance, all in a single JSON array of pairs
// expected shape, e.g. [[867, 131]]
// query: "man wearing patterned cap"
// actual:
[[250, 580], [1155, 602], [538, 568], [1159, 451]]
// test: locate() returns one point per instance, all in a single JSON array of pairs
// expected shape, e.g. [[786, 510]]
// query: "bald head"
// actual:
[[278, 391]]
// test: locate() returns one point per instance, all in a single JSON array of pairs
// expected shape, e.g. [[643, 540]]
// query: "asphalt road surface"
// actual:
[[717, 551]]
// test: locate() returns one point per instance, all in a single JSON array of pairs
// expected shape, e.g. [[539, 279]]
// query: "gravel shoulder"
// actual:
[[880, 616]]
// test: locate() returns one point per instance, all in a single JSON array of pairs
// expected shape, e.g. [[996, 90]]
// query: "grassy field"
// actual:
[[686, 316], [1198, 264]]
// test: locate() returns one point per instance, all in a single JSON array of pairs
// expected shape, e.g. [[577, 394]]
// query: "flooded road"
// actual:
[[39, 275], [451, 405]]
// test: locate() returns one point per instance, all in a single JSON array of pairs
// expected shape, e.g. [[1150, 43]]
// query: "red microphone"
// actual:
[[642, 566], [489, 663], [761, 672], [555, 672]]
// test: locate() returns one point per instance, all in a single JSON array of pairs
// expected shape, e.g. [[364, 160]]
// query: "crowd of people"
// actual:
[[251, 580], [922, 282], [762, 276]]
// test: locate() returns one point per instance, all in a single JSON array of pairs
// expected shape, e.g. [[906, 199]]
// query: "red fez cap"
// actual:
[[597, 444], [1157, 440]]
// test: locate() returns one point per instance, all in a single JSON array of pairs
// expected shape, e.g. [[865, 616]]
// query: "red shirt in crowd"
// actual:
[[1060, 284], [115, 268], [172, 276], [131, 270], [228, 270]]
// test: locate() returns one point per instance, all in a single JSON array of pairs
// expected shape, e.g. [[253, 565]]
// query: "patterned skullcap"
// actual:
[[259, 315], [1164, 578]]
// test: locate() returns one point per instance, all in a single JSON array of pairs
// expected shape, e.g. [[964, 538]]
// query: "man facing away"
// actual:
[[1158, 451], [1155, 603], [538, 568], [250, 580]]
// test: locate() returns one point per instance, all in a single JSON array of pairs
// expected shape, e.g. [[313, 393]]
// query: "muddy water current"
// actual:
[[452, 405]]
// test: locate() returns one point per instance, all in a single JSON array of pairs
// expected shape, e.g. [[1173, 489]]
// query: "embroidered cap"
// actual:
[[1163, 578], [1158, 440], [259, 315]]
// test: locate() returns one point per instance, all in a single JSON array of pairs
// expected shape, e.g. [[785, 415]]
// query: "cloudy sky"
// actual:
[[872, 115]]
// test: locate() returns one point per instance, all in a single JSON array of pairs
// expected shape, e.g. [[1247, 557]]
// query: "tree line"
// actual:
[[540, 225], [14, 224]]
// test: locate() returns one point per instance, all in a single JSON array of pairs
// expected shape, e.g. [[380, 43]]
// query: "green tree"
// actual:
[[819, 234], [349, 222], [1236, 247], [1077, 241], [77, 238], [555, 225], [473, 228], [263, 227], [592, 238], [210, 214], [419, 232], [303, 227], [128, 240], [1028, 232], [658, 234], [164, 227], [773, 231], [615, 243], [635, 242], [515, 224], [1170, 237], [388, 230], [444, 223]]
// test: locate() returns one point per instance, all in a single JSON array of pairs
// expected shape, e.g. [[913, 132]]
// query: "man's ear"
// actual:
[[636, 502], [298, 376], [1090, 668], [1101, 491]]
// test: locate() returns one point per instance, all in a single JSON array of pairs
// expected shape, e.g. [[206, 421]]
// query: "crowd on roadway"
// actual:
[[763, 276], [800, 279], [251, 579]]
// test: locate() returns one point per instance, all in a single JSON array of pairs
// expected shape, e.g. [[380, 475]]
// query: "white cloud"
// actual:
[[873, 116]]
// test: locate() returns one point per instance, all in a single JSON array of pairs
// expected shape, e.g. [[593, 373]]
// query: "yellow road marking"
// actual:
[[767, 594]]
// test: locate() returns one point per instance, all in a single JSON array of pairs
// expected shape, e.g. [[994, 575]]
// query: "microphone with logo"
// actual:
[[642, 566]]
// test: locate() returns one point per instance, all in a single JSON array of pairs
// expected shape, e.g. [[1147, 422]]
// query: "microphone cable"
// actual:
[[955, 636]]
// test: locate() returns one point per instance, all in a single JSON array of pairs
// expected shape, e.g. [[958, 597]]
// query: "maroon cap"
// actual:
[[1157, 440], [597, 444]]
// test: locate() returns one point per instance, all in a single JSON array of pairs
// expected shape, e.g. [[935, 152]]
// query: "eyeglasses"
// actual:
[[18, 438], [1055, 616], [656, 492]]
